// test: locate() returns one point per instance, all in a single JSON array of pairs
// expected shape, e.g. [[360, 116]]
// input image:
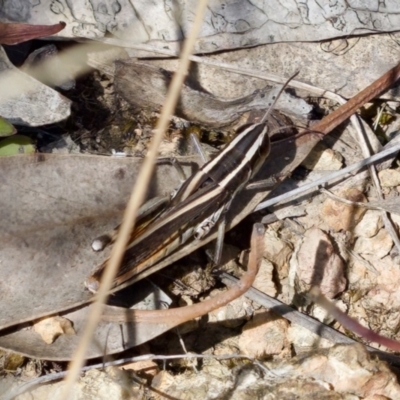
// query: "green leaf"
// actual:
[[17, 144], [6, 129]]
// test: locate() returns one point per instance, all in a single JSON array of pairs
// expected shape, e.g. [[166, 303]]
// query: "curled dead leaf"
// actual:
[[14, 33]]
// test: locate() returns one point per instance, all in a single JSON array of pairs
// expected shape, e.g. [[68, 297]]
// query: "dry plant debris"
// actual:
[[344, 248]]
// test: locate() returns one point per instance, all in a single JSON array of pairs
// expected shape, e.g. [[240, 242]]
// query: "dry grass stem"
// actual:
[[137, 198]]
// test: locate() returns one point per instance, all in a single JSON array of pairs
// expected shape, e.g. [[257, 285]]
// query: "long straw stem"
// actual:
[[137, 198]]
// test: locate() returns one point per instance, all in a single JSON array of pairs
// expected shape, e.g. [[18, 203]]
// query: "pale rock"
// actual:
[[358, 312], [299, 389], [145, 367], [347, 370], [37, 104], [51, 328], [303, 340], [395, 218], [195, 281], [323, 315], [341, 372], [162, 382], [189, 387], [369, 225], [264, 279], [264, 335], [170, 146], [31, 370], [278, 252], [318, 264], [387, 280], [389, 177], [214, 366], [376, 298], [357, 274], [282, 212], [234, 313], [323, 159], [392, 320], [338, 215], [377, 246], [350, 369], [94, 385]]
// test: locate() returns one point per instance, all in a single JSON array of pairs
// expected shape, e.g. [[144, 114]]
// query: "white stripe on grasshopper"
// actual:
[[220, 158], [248, 156], [159, 225]]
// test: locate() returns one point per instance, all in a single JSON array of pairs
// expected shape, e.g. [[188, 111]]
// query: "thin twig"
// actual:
[[362, 261], [349, 202], [331, 177]]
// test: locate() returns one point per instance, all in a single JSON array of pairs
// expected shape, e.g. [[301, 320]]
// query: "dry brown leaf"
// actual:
[[14, 33], [146, 86]]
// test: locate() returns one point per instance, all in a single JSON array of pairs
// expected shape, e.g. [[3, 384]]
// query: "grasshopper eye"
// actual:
[[92, 285], [101, 242]]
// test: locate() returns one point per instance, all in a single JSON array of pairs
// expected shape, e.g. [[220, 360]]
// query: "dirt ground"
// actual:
[[245, 351]]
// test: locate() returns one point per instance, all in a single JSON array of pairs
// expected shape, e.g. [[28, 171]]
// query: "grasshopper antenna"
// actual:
[[264, 118]]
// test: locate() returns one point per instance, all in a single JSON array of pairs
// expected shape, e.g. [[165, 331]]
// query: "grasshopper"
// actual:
[[199, 204]]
